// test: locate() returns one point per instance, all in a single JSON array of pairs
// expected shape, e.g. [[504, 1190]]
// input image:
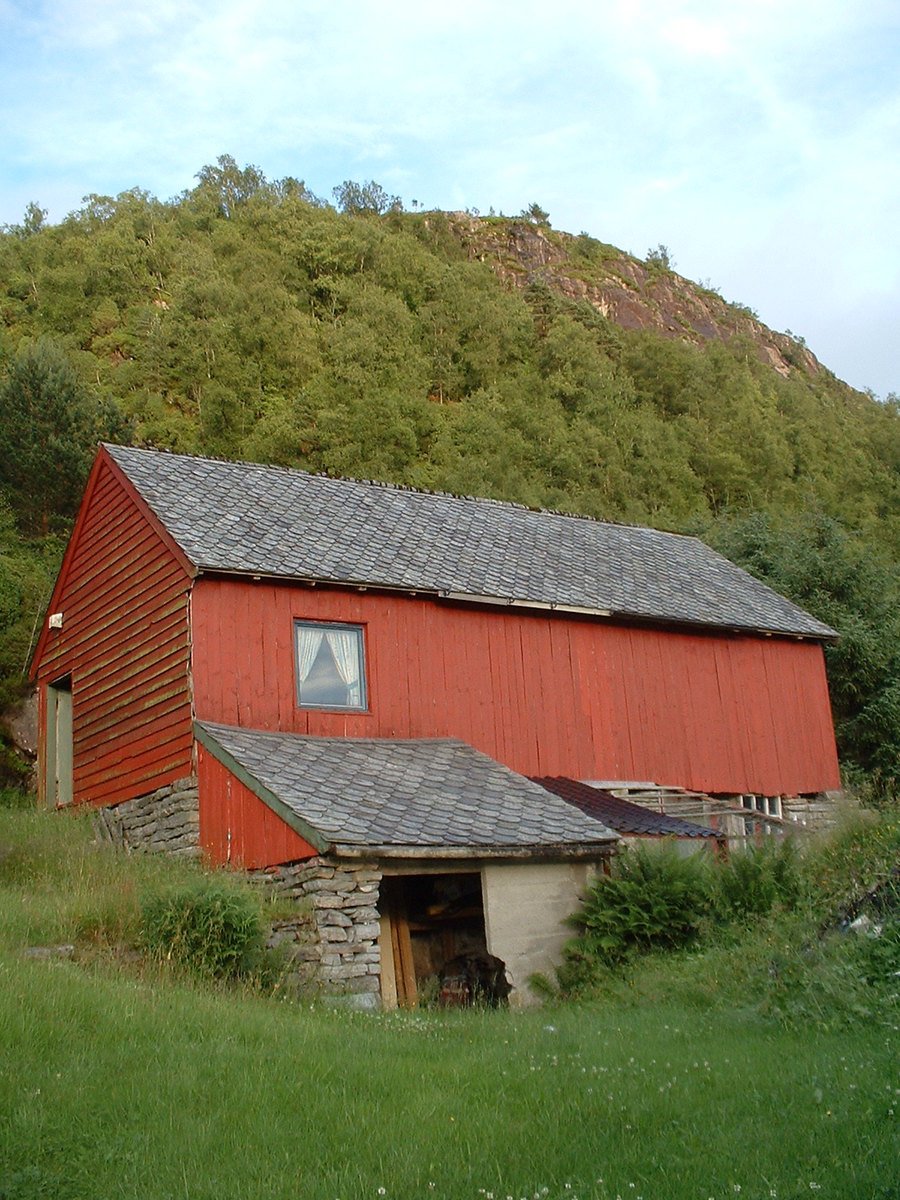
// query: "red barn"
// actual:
[[348, 685]]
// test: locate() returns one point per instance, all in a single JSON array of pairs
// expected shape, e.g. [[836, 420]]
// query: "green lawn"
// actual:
[[122, 1079], [113, 1087]]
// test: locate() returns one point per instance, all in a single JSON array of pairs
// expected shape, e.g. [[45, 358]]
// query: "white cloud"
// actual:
[[696, 37]]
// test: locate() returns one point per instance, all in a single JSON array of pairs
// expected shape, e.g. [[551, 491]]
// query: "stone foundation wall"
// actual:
[[812, 812], [330, 941], [334, 938], [166, 821]]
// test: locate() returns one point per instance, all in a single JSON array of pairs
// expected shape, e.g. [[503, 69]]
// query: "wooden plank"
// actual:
[[236, 827], [110, 787], [144, 745], [585, 698], [407, 992], [166, 696], [143, 548], [125, 643], [139, 672], [731, 702], [389, 997]]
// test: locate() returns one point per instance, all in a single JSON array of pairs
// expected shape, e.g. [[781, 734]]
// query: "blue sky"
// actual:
[[760, 142]]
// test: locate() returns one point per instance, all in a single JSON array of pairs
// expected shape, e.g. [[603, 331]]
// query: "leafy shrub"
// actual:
[[852, 860], [755, 881], [210, 927], [660, 258], [878, 790], [655, 898], [775, 932], [15, 797]]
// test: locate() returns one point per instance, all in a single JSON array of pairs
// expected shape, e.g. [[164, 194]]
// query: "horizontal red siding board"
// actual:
[[144, 742], [544, 694], [139, 579], [236, 827], [132, 777], [123, 593]]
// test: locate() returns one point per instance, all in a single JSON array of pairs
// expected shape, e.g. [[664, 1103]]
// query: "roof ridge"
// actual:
[[391, 486]]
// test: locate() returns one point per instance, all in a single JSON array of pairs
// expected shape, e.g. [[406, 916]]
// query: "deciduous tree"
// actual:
[[49, 427]]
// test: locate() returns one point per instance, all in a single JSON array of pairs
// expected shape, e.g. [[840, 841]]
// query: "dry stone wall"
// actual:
[[812, 812], [333, 941], [166, 821], [330, 941]]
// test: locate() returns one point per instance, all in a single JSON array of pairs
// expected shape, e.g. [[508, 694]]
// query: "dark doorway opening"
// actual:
[[428, 923]]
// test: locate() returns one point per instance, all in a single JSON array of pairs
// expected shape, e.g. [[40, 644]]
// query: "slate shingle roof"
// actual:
[[621, 815], [434, 796], [272, 521]]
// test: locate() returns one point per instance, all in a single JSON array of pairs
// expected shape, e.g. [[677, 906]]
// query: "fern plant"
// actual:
[[655, 898]]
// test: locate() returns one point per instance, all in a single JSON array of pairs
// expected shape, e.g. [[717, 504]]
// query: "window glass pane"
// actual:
[[330, 669]]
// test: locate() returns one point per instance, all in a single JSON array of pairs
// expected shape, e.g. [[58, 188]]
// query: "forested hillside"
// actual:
[[480, 355]]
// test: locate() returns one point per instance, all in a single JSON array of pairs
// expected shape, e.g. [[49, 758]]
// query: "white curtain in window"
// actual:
[[308, 644], [344, 645]]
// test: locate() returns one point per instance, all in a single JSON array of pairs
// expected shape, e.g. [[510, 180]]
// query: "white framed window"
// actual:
[[769, 805], [330, 664]]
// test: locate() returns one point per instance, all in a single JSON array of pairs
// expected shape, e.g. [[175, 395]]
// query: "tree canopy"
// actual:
[[50, 424], [247, 318]]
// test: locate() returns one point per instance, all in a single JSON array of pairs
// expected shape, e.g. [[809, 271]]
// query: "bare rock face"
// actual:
[[20, 725], [634, 295]]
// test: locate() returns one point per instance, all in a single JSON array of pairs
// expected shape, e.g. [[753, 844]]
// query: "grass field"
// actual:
[[113, 1087], [119, 1081]]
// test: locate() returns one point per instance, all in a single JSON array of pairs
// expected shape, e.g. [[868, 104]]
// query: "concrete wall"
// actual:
[[525, 906]]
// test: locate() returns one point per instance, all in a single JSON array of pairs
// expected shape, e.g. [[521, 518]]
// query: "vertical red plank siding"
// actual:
[[123, 594], [544, 694], [236, 828]]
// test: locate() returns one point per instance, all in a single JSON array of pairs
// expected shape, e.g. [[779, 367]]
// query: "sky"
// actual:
[[759, 142]]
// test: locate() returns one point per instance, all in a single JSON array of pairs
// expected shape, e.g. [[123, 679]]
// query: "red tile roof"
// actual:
[[621, 815]]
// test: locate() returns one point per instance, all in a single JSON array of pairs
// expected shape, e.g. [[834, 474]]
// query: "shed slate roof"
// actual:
[[621, 815], [439, 797], [262, 520]]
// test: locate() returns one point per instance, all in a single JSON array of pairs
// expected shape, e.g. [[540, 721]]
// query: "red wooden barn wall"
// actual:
[[236, 827], [545, 694], [123, 593]]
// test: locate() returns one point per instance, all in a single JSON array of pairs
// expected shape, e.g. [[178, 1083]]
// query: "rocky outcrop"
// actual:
[[632, 294], [19, 739]]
